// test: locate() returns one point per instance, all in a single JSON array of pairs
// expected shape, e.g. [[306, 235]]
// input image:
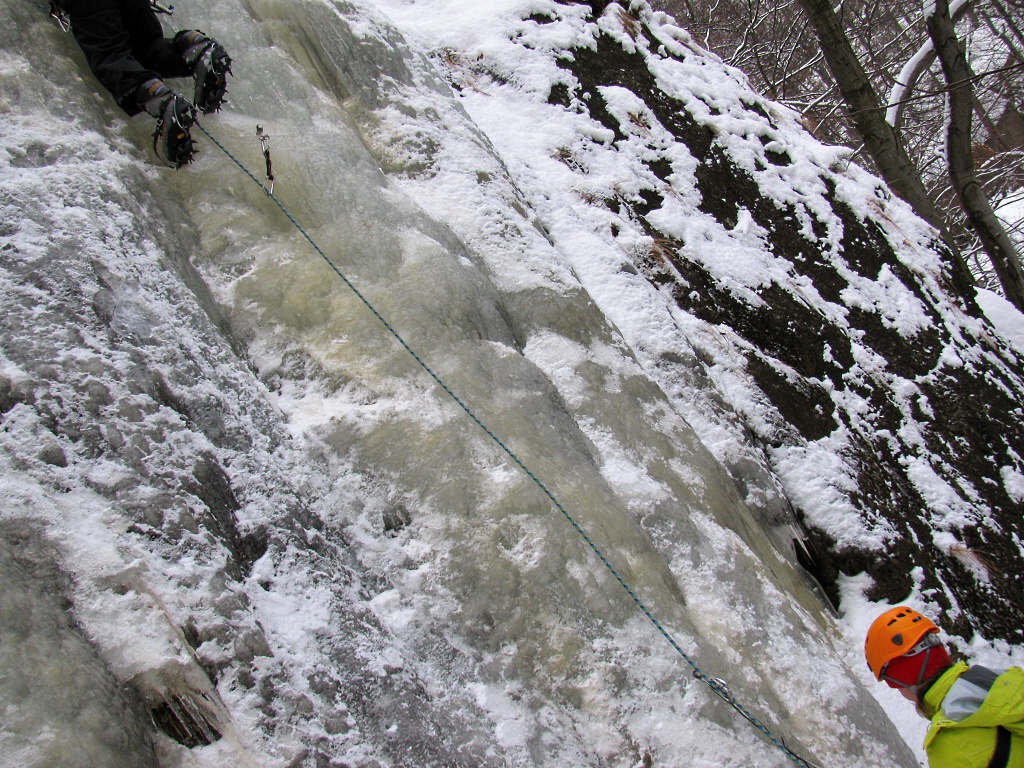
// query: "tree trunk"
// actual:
[[861, 100], [880, 139], [960, 156], [907, 80]]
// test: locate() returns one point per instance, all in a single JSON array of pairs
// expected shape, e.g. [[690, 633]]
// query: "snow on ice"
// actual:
[[227, 488]]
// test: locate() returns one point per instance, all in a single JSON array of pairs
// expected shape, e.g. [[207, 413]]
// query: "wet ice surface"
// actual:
[[258, 499], [53, 688]]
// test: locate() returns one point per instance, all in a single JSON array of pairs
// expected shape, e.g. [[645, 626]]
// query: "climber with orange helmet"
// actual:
[[976, 713]]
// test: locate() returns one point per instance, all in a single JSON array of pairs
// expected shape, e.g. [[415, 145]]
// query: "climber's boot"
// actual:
[[210, 65], [175, 117]]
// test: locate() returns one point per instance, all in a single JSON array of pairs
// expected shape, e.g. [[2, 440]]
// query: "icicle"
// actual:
[[186, 719]]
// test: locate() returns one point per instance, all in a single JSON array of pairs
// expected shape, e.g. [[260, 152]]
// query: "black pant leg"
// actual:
[[149, 46], [99, 28]]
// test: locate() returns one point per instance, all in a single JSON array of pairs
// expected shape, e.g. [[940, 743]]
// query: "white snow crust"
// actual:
[[413, 586]]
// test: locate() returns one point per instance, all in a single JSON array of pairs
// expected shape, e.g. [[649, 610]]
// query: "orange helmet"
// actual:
[[893, 634]]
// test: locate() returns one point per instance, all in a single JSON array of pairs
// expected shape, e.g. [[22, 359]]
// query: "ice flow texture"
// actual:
[[369, 542]]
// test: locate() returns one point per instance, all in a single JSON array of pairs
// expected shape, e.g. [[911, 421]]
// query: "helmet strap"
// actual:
[[931, 660]]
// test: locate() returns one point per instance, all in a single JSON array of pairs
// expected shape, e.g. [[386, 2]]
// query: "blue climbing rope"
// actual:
[[718, 686]]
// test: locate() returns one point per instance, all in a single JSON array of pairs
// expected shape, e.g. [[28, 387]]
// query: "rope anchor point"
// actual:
[[265, 144]]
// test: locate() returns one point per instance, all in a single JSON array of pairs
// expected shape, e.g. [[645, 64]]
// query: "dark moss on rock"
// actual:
[[916, 403]]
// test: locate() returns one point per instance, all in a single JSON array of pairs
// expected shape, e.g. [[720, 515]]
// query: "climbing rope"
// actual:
[[718, 686]]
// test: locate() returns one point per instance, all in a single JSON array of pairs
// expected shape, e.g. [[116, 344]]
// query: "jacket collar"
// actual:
[[932, 700]]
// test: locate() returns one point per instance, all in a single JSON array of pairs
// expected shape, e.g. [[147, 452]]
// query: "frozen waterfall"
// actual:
[[243, 492]]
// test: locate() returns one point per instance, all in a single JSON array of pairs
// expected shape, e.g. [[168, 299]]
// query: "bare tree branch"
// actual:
[[917, 66], [880, 138], [960, 157], [772, 42]]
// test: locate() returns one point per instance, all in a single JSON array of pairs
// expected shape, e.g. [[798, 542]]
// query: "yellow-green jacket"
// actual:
[[978, 719]]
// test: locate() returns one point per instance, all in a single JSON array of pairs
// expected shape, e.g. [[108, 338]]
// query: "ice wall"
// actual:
[[260, 502], [61, 705]]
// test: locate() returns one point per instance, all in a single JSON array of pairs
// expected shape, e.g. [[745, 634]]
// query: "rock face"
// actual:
[[250, 517], [852, 341]]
